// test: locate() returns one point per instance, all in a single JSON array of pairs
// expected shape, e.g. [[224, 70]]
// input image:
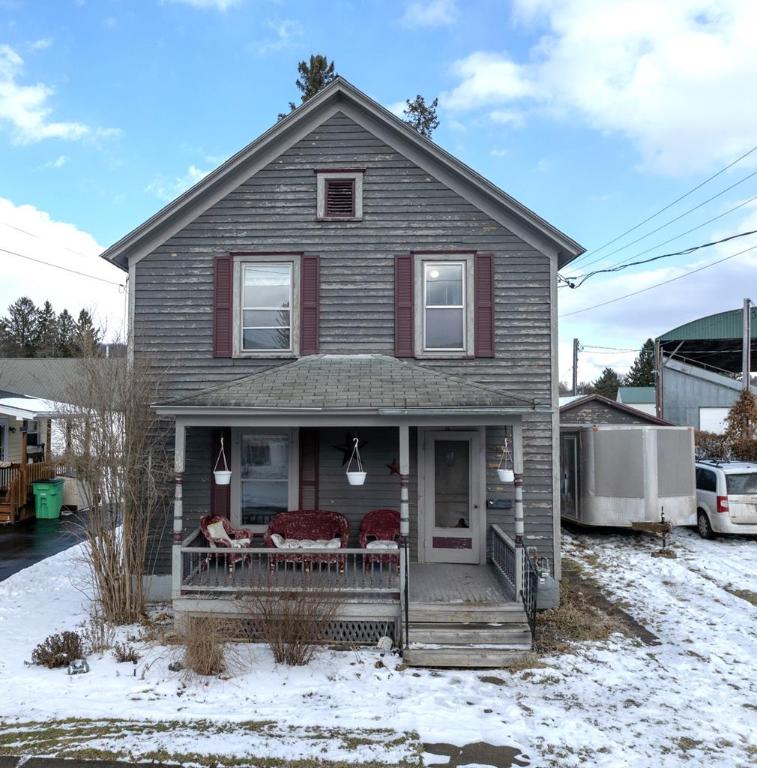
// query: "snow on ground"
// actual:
[[690, 700]]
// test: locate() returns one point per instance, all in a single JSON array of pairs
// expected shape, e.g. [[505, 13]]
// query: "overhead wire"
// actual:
[[61, 267]]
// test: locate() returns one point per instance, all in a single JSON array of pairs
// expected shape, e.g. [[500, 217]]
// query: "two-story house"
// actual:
[[343, 277]]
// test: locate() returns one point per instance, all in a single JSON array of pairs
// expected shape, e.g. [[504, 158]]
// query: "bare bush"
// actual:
[[117, 447], [98, 635], [124, 652], [293, 623], [205, 639], [58, 650]]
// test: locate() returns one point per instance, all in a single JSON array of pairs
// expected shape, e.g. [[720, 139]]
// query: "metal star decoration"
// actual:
[[394, 467]]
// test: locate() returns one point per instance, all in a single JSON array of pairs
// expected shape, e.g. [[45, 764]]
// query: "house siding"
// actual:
[[599, 413], [405, 209]]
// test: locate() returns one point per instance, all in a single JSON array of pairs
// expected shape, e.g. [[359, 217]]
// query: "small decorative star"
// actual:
[[394, 467], [347, 446]]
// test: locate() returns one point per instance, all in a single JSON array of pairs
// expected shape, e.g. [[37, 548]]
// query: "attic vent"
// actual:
[[340, 198]]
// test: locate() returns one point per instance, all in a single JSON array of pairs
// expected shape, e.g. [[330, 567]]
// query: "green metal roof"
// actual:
[[636, 395], [723, 325]]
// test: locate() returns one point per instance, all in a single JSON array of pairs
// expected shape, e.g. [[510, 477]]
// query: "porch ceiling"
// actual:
[[341, 384]]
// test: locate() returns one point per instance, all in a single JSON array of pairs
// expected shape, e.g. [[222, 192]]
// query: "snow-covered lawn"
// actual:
[[691, 700]]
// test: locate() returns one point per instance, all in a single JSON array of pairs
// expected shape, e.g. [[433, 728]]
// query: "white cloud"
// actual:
[[430, 13], [59, 162], [167, 190], [41, 44], [507, 117], [286, 32], [672, 77], [215, 5], [26, 109], [64, 244]]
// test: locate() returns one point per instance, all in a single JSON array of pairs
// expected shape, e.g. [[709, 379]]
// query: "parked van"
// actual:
[[726, 497]]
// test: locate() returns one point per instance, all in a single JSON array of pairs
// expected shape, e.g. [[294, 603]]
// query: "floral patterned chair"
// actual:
[[221, 534], [294, 532], [380, 530]]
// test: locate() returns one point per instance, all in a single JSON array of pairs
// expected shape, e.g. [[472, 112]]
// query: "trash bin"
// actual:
[[48, 498]]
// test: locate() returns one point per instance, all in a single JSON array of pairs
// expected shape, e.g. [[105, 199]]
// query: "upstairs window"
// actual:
[[266, 307], [339, 195], [444, 306]]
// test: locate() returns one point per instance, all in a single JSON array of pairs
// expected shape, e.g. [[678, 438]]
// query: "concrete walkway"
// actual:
[[30, 541]]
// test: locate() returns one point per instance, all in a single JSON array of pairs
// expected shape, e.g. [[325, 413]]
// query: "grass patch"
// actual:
[[744, 594]]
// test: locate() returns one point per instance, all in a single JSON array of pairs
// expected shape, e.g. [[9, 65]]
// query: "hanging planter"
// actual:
[[356, 476], [222, 476], [504, 469]]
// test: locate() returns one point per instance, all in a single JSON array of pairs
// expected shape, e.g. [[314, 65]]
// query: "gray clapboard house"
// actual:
[[344, 277]]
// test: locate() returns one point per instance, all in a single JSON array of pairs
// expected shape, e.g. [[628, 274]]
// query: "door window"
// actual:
[[452, 484], [264, 476], [706, 480]]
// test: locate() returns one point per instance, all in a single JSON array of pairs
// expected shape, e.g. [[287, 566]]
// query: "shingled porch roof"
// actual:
[[349, 383]]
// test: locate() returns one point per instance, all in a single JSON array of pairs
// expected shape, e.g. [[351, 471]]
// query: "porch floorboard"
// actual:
[[455, 584]]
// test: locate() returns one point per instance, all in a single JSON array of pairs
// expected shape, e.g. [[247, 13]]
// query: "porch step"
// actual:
[[470, 656], [452, 613], [516, 635]]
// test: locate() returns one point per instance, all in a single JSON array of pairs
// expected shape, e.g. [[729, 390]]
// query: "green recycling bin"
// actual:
[[48, 498]]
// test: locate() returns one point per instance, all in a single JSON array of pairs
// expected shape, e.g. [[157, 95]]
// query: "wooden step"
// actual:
[[469, 656], [467, 634], [451, 613]]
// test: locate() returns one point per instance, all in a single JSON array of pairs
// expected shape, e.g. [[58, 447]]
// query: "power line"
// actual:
[[58, 266], [657, 285], [693, 248], [39, 237], [673, 220], [669, 205]]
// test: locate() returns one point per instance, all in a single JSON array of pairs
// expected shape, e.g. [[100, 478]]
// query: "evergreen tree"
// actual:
[[314, 75], [421, 116], [643, 368], [66, 334], [18, 330], [46, 342], [607, 384], [86, 337]]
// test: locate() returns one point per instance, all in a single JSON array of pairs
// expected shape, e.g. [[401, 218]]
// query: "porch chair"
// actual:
[[221, 534], [294, 532], [380, 530]]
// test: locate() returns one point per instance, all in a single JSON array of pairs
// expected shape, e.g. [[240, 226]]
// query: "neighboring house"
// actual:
[[344, 277], [640, 398], [596, 409], [702, 368]]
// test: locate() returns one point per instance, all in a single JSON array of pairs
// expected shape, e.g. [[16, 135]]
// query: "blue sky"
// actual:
[[595, 114]]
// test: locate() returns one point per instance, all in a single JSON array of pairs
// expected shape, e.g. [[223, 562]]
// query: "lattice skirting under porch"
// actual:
[[340, 632]]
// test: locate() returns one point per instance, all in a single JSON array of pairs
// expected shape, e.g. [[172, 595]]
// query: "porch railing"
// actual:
[[504, 559], [351, 571], [16, 482], [529, 590]]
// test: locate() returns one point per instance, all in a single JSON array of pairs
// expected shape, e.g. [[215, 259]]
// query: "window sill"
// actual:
[[338, 218], [462, 355], [265, 355]]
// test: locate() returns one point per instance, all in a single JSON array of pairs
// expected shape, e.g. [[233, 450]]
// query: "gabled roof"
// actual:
[[342, 96], [349, 383], [29, 407], [636, 395], [579, 401]]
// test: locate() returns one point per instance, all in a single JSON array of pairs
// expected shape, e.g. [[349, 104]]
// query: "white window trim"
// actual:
[[322, 177], [236, 472], [293, 261], [421, 261]]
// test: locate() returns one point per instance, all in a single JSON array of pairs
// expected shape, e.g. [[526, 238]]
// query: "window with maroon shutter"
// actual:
[[340, 198], [310, 305], [223, 320], [404, 320], [483, 317]]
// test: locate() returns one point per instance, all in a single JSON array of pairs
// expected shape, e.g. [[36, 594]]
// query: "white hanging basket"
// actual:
[[505, 473], [222, 476], [356, 476]]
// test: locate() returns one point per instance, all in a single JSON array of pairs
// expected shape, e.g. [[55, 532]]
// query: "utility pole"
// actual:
[[575, 366], [746, 345]]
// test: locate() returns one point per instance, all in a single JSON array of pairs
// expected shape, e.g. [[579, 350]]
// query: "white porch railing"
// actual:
[[352, 571], [505, 556]]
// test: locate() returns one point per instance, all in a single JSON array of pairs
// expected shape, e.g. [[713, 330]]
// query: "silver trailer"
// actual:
[[616, 475]]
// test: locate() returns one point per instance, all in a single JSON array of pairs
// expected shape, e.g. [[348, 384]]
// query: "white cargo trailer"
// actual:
[[616, 475]]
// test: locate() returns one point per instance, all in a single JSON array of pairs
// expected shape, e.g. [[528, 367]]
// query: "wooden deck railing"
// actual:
[[505, 559], [16, 483], [350, 571]]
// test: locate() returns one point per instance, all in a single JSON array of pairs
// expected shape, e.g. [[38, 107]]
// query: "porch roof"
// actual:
[[376, 384]]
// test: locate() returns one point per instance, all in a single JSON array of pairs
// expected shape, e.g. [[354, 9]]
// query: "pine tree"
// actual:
[[607, 384], [421, 116], [46, 342], [86, 337], [314, 76], [18, 330], [66, 334], [642, 371]]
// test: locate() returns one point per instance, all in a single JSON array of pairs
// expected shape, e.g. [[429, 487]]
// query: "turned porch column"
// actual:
[[519, 524], [404, 435], [178, 508]]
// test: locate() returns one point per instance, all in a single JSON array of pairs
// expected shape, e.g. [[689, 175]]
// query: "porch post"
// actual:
[[178, 508], [404, 435], [519, 525]]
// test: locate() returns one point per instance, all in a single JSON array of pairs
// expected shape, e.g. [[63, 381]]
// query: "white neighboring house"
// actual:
[[34, 418], [640, 398]]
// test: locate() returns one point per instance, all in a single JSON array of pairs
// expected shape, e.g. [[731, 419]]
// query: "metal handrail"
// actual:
[[529, 591]]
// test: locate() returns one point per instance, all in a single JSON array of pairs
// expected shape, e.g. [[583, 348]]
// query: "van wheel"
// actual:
[[703, 525]]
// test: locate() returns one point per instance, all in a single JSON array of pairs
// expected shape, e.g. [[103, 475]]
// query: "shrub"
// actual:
[[125, 652], [98, 634], [58, 650], [204, 642]]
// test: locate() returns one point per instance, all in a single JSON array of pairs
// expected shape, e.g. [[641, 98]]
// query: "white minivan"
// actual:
[[726, 497]]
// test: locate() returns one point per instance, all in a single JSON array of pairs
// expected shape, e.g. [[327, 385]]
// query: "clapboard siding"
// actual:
[[404, 209]]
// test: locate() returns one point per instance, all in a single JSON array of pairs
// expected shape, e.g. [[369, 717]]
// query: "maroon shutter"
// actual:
[[310, 280], [223, 322], [483, 313], [220, 495], [309, 463], [404, 322]]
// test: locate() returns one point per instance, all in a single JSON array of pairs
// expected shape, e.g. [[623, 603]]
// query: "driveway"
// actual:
[[26, 543]]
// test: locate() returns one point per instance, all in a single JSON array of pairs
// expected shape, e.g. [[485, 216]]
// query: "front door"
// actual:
[[453, 514]]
